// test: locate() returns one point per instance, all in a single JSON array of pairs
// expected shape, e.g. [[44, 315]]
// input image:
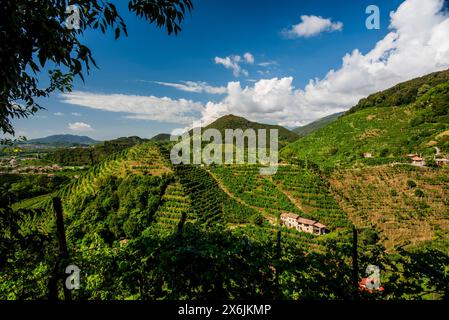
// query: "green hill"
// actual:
[[235, 122], [161, 137], [79, 156], [403, 93], [412, 117], [316, 125], [140, 227]]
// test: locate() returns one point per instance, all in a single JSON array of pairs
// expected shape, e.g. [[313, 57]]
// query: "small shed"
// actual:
[[418, 161]]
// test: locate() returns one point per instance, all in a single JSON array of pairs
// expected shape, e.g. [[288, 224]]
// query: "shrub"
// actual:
[[384, 152], [419, 193], [411, 184], [258, 219]]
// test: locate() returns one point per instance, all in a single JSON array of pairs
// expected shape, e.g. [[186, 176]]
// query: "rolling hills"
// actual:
[[407, 205], [234, 122], [141, 227], [412, 117], [161, 137], [64, 139]]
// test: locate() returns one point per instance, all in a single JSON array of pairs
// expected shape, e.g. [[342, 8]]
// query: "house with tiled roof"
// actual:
[[294, 221]]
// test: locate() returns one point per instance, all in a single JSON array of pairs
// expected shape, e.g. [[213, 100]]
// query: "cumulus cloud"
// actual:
[[76, 114], [58, 114], [192, 86], [137, 107], [80, 127], [249, 58], [268, 100], [234, 63], [416, 45], [311, 26]]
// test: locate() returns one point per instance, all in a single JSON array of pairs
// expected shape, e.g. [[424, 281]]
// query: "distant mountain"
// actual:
[[234, 122], [318, 124], [79, 156], [63, 139], [126, 142], [161, 137]]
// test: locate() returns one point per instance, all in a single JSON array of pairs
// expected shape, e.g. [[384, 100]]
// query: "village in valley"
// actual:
[[32, 165]]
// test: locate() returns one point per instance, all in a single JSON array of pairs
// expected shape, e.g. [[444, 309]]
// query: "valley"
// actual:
[[141, 227]]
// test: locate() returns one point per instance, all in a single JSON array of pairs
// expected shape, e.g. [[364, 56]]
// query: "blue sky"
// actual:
[[137, 71]]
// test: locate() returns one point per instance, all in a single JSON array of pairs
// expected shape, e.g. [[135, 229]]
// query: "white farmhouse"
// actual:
[[293, 221]]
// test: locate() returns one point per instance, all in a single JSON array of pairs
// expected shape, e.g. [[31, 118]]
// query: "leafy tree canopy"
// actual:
[[34, 34]]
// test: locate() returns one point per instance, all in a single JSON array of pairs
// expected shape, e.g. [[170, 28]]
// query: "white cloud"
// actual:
[[311, 26], [267, 63], [80, 127], [234, 63], [263, 73], [58, 114], [249, 58], [416, 45], [137, 107], [192, 86], [76, 114], [268, 100]]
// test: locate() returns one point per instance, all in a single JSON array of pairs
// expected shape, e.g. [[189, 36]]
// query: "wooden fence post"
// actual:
[[181, 223], [355, 265], [63, 252], [278, 263]]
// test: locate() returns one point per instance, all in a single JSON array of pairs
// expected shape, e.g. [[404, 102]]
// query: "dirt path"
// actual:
[[270, 218], [296, 202]]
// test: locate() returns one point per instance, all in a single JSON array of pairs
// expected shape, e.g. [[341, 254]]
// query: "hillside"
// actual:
[[317, 124], [412, 117], [142, 228], [138, 227], [403, 93], [405, 204], [80, 156], [408, 205], [63, 139], [235, 122], [161, 137]]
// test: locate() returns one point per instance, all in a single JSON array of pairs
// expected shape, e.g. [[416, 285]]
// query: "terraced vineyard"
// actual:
[[141, 159], [175, 202], [408, 205], [309, 191], [209, 201], [246, 183]]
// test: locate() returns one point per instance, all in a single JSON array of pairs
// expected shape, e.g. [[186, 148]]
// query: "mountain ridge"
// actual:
[[411, 117], [64, 139], [231, 121], [317, 124]]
